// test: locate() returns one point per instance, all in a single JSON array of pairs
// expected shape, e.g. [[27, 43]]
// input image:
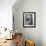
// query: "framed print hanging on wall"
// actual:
[[29, 19]]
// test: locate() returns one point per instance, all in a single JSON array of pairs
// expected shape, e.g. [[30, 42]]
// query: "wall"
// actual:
[[43, 22], [6, 13], [29, 33]]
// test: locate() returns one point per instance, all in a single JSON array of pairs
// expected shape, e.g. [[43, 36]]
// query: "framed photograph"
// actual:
[[29, 19]]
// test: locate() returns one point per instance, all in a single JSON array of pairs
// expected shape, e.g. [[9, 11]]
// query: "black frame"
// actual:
[[34, 19]]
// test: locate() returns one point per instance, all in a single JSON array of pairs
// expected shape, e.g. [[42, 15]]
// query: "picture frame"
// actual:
[[29, 19]]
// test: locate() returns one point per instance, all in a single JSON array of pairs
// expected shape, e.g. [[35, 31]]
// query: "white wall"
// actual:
[[6, 13], [43, 22], [29, 33]]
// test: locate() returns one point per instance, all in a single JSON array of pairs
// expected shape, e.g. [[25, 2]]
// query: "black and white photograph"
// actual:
[[29, 19]]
